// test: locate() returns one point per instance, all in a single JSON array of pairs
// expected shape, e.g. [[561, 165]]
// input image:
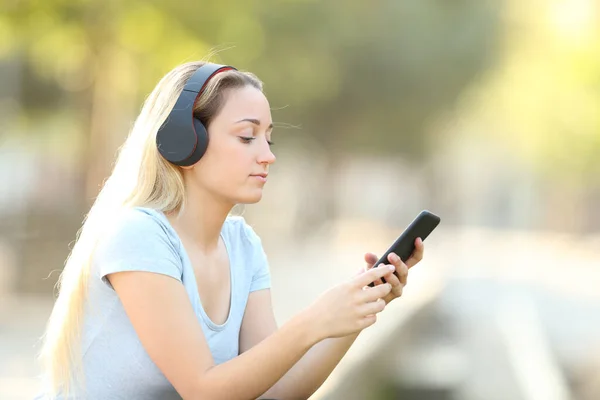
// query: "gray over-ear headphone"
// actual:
[[182, 139]]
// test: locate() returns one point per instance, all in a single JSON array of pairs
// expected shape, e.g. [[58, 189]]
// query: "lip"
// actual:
[[261, 177]]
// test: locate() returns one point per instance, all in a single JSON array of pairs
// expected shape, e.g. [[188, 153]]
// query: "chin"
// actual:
[[250, 198]]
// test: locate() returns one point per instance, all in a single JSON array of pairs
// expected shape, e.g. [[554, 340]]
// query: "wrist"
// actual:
[[311, 330]]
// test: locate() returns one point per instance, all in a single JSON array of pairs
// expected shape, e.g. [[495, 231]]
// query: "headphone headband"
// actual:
[[182, 139], [200, 78]]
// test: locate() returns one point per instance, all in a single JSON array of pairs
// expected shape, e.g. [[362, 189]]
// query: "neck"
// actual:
[[202, 218]]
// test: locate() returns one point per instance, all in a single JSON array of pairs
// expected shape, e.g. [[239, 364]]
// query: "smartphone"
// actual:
[[404, 246]]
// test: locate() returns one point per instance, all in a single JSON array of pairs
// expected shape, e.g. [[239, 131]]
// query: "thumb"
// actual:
[[370, 259]]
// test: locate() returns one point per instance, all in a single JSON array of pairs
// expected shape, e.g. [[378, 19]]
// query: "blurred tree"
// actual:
[[542, 101], [95, 50], [362, 77], [369, 77], [544, 96]]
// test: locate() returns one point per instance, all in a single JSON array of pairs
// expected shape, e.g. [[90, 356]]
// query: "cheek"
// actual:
[[224, 165]]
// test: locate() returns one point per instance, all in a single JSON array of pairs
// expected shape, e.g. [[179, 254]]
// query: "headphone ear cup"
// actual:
[[202, 134], [176, 139], [201, 144]]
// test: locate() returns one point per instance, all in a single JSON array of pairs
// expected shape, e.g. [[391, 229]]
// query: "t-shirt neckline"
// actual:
[[209, 322]]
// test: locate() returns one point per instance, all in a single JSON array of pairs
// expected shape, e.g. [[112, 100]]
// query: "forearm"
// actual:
[[308, 374], [255, 371]]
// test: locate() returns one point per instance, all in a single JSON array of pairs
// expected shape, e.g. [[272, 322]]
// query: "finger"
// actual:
[[370, 259], [379, 281], [399, 279], [417, 254], [376, 283], [402, 274], [397, 291], [372, 294], [401, 271], [373, 307], [373, 274], [367, 321], [401, 268], [392, 278]]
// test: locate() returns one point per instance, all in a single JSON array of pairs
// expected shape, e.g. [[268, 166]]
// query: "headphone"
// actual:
[[182, 139]]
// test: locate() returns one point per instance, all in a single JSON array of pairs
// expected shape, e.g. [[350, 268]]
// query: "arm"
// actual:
[[309, 373], [176, 343], [318, 363]]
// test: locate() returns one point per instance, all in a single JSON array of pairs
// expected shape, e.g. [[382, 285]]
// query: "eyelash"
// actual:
[[250, 139]]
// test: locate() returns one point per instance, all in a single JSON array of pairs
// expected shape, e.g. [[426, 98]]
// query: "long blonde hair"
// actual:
[[141, 177]]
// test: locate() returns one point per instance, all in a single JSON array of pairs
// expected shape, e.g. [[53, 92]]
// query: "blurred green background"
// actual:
[[485, 112]]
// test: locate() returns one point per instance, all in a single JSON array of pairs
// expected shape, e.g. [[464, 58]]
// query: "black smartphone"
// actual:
[[404, 246]]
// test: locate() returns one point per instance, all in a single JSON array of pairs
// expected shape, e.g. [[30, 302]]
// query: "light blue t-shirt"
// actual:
[[116, 364]]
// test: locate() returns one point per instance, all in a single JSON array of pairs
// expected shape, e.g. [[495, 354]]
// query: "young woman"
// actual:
[[165, 295]]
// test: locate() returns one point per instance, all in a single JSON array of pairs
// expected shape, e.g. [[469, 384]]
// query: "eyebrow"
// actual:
[[254, 121]]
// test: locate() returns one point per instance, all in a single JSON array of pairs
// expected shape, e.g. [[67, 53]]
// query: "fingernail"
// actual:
[[395, 257], [391, 267]]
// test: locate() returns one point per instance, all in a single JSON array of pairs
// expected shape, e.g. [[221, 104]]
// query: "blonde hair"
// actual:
[[141, 177]]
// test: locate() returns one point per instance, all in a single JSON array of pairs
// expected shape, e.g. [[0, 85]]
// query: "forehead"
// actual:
[[246, 102]]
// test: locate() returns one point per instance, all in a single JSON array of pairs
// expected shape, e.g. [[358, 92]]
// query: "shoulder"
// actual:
[[138, 220], [139, 217], [138, 226], [138, 239]]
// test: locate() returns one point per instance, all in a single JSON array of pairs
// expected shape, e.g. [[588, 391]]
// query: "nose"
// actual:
[[266, 156]]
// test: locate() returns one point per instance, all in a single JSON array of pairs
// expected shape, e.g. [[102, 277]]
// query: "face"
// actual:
[[237, 160]]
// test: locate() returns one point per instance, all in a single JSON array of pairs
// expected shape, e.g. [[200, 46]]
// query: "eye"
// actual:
[[246, 139]]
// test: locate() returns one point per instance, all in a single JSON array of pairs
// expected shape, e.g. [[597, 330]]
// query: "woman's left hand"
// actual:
[[398, 280]]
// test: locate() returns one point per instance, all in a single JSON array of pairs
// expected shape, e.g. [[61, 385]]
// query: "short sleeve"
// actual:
[[261, 278], [138, 241]]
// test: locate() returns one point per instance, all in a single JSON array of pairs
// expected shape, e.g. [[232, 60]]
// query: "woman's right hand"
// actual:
[[351, 306]]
